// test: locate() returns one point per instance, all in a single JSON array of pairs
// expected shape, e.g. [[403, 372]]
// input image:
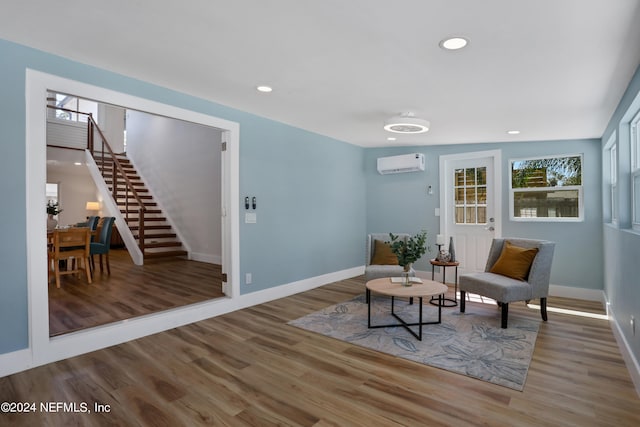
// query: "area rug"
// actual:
[[466, 343]]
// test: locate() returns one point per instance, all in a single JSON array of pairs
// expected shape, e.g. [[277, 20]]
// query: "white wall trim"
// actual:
[[16, 361], [43, 349], [625, 349], [208, 258], [577, 293], [282, 291]]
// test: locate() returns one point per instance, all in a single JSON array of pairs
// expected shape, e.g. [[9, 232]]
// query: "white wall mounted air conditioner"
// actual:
[[399, 164]]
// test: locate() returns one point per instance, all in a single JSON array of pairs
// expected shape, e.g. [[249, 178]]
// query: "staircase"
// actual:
[[154, 234]]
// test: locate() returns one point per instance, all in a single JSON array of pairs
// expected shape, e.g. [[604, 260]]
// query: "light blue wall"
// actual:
[[310, 188], [401, 203], [622, 244]]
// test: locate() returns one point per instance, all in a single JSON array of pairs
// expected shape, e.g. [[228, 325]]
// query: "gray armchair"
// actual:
[[376, 271], [506, 289]]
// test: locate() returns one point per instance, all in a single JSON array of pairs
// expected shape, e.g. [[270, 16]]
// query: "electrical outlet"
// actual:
[[247, 278]]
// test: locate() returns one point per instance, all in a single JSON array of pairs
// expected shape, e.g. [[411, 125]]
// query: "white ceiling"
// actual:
[[553, 69]]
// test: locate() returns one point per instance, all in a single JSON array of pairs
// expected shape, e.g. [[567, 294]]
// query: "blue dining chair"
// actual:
[[103, 243], [92, 222]]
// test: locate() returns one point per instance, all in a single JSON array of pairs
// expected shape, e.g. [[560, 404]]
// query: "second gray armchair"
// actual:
[[517, 270]]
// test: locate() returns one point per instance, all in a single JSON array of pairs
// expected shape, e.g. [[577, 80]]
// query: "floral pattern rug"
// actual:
[[466, 343]]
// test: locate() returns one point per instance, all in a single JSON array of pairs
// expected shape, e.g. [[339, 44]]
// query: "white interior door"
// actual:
[[470, 200]]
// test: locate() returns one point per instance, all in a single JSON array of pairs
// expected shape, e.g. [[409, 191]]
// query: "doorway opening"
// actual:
[[44, 348], [179, 185]]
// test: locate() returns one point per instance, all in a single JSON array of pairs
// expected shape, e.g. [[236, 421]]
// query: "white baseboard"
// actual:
[[208, 258], [16, 361], [625, 350], [266, 295], [577, 293]]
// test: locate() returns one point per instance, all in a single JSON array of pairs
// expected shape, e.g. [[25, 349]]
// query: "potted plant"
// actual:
[[408, 251], [53, 209]]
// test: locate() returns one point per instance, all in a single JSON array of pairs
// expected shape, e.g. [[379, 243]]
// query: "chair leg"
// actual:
[[463, 300], [505, 315], [543, 308], [100, 263], [87, 269], [107, 261], [56, 271]]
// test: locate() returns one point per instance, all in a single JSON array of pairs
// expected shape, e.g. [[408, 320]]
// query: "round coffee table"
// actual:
[[384, 286]]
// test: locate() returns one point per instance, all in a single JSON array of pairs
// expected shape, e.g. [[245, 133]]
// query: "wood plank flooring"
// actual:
[[249, 368], [130, 291]]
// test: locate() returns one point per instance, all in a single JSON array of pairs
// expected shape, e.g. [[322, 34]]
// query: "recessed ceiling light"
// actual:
[[77, 163], [264, 89], [391, 138], [513, 132], [406, 123], [453, 43]]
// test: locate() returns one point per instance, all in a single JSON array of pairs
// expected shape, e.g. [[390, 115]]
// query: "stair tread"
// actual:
[[146, 204], [150, 227], [147, 219], [135, 211], [162, 245], [131, 196], [135, 184], [161, 254], [156, 236]]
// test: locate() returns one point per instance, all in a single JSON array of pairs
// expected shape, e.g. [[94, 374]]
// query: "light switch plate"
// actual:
[[250, 218], [437, 211]]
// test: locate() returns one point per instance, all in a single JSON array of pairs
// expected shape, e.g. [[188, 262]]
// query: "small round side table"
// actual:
[[446, 302]]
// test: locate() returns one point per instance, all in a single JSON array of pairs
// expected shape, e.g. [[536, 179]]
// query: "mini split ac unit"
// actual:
[[400, 164]]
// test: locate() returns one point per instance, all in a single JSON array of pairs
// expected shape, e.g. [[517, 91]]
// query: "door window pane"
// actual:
[[482, 195], [482, 176], [482, 215], [471, 215], [470, 194]]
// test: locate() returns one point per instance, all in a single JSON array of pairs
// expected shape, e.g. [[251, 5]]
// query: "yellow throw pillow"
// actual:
[[382, 254], [514, 261]]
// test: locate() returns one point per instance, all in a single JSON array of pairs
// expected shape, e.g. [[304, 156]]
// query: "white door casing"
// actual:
[[44, 349], [471, 200]]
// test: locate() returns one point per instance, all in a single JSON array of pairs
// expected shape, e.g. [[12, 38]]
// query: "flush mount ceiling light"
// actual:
[[454, 43], [406, 123], [513, 132], [265, 89]]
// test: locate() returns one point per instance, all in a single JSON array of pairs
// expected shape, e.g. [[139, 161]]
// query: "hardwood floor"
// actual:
[[249, 368], [130, 291]]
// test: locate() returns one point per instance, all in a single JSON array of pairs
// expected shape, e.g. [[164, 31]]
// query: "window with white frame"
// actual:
[[68, 105], [635, 171], [613, 180], [547, 189]]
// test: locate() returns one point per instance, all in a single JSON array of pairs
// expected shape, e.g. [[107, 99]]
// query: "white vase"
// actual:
[[52, 223]]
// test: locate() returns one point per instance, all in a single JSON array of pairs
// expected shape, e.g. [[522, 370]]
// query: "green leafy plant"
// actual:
[[410, 251], [53, 208]]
